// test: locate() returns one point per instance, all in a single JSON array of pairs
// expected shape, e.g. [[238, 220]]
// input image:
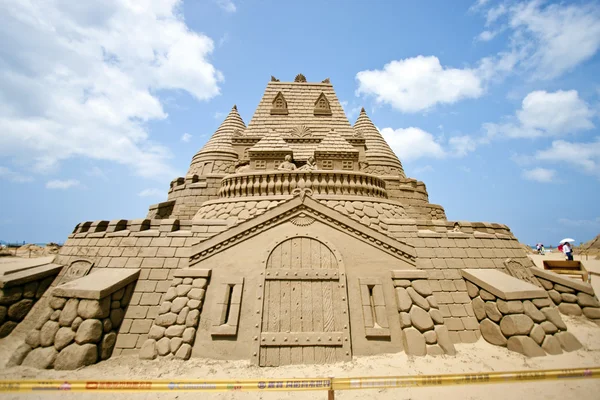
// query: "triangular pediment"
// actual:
[[300, 210], [322, 106], [279, 106]]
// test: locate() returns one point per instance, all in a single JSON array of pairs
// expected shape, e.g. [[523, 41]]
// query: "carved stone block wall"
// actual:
[[572, 297], [532, 327], [19, 292], [422, 323], [174, 330], [74, 332]]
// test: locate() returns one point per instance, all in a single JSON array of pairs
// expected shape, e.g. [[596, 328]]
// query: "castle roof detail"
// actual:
[[334, 143], [378, 152], [221, 140], [300, 98], [272, 142]]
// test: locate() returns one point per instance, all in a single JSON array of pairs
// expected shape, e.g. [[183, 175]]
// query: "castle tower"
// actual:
[[382, 160], [218, 155]]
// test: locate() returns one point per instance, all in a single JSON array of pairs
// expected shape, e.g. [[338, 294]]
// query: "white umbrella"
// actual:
[[565, 240]]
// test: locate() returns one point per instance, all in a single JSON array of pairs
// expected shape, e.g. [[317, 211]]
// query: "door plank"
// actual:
[[295, 318], [274, 321]]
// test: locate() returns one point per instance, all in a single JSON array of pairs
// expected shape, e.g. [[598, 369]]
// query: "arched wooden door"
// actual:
[[305, 307]]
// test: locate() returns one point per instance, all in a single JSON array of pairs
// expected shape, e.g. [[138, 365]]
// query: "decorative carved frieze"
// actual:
[[301, 131], [351, 183]]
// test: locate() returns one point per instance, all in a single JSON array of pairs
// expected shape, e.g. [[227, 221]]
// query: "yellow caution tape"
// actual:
[[166, 385], [462, 379], [296, 384]]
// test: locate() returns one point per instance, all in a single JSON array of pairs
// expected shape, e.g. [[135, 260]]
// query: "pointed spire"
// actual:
[[382, 160], [221, 139]]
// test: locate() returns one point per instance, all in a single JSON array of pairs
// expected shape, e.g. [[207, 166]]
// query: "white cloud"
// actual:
[[80, 80], [556, 113], [418, 83], [546, 114], [539, 174], [462, 145], [152, 193], [494, 13], [465, 168], [410, 144], [546, 39], [584, 156], [478, 5], [592, 223], [10, 175], [227, 5], [186, 137], [220, 115], [58, 184], [97, 173], [423, 169], [486, 36]]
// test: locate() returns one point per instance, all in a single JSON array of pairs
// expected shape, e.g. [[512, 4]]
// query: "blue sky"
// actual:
[[495, 105]]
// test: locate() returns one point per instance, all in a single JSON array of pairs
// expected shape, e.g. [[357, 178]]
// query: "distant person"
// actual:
[[538, 247], [542, 250], [568, 250]]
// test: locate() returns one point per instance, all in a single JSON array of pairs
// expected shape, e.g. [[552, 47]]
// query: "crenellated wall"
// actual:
[[158, 247]]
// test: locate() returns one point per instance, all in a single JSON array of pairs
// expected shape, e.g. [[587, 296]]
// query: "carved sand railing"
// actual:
[[284, 182]]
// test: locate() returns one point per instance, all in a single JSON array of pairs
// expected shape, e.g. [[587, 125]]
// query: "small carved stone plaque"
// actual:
[[77, 269]]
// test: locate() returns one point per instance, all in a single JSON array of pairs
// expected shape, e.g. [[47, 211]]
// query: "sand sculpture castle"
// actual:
[[294, 239]]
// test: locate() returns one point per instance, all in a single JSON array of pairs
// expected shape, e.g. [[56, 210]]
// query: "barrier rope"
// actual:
[[305, 384]]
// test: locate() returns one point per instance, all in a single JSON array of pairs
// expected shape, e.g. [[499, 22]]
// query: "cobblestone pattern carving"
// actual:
[[423, 329], [174, 330], [369, 213], [237, 211], [533, 327], [74, 332], [17, 301], [571, 301]]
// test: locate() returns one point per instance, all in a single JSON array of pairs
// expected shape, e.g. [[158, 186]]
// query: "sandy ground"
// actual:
[[477, 357]]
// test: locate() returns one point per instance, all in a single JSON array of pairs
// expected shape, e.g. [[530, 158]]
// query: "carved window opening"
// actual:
[[279, 106], [348, 165], [226, 314], [327, 164], [228, 301], [322, 106], [260, 164], [246, 154], [374, 312], [372, 303]]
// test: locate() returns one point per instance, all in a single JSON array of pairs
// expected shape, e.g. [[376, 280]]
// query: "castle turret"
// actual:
[[382, 160], [218, 155]]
